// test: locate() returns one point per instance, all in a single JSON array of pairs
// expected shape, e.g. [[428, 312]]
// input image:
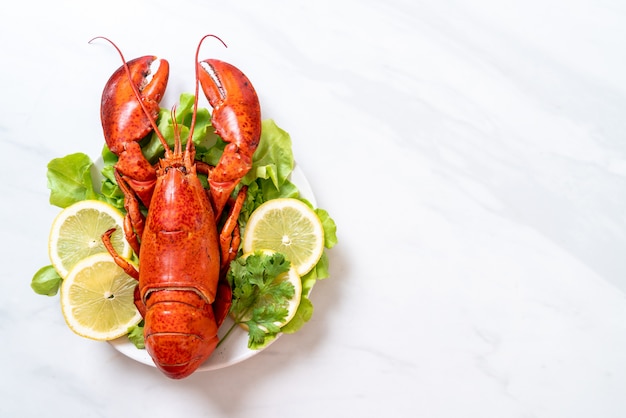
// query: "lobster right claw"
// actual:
[[237, 120], [125, 123]]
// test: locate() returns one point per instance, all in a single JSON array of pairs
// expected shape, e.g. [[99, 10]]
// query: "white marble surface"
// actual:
[[473, 155]]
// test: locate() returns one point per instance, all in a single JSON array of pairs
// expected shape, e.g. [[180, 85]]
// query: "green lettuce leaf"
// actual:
[[109, 189], [330, 228], [302, 316], [273, 158], [272, 164], [46, 281], [69, 180], [135, 335], [204, 136]]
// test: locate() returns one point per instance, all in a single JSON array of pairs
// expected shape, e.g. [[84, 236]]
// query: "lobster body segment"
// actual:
[[180, 331], [177, 287], [180, 217], [182, 292]]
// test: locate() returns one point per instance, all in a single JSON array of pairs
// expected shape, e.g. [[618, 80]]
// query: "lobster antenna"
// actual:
[[177, 146], [137, 94], [195, 103]]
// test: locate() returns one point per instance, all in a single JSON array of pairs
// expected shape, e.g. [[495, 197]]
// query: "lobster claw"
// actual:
[[236, 119], [125, 122]]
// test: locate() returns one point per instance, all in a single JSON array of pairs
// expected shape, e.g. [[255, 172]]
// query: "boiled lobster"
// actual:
[[190, 235]]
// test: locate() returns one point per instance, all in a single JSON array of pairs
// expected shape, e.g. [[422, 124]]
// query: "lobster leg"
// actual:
[[229, 235], [126, 266], [230, 239], [119, 260], [223, 301], [134, 222]]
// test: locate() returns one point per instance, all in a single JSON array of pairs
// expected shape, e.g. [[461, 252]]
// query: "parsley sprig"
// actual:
[[260, 298]]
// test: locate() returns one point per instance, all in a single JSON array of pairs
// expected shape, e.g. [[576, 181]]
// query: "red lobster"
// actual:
[[182, 292]]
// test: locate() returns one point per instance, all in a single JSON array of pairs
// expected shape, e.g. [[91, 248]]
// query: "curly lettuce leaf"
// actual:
[[69, 180], [272, 164], [135, 335], [109, 188], [302, 316], [273, 158], [261, 191], [330, 228]]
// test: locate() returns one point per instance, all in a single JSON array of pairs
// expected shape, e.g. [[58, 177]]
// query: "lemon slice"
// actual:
[[97, 299], [294, 302], [77, 233], [286, 226], [292, 306]]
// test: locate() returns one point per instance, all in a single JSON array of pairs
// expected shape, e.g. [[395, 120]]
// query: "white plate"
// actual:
[[235, 348]]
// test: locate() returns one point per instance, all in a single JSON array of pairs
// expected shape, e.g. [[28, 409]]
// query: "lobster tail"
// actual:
[[180, 331]]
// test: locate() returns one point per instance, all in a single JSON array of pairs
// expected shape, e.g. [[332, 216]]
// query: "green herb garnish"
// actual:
[[260, 297]]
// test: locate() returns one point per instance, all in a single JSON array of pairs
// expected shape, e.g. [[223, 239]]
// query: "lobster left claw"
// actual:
[[236, 119], [125, 122]]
